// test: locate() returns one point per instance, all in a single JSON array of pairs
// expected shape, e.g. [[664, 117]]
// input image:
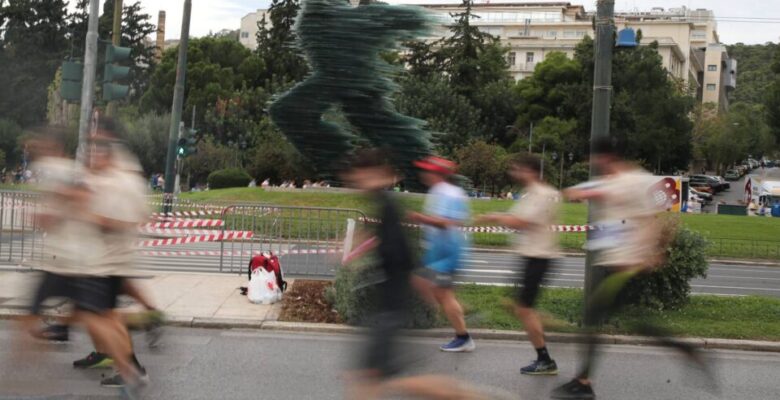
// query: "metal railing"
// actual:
[[21, 237], [309, 240]]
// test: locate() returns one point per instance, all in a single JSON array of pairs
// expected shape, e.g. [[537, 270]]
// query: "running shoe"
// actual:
[[573, 390], [540, 367], [154, 328], [94, 360], [116, 380], [459, 345], [54, 333]]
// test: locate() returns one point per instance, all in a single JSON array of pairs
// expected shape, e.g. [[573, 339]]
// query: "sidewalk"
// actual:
[[182, 296], [215, 301]]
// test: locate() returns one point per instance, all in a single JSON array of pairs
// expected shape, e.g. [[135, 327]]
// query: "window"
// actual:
[[511, 58], [244, 35], [569, 34], [552, 34], [699, 34], [712, 67], [712, 87], [529, 57]]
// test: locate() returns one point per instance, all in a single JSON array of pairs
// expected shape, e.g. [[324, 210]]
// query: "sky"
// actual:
[[215, 15]]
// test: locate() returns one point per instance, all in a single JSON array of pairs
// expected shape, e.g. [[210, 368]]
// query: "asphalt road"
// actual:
[[214, 364], [480, 267]]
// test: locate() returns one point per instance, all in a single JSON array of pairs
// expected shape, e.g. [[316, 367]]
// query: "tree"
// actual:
[[772, 99], [147, 137], [497, 103], [221, 79], [445, 111], [485, 164], [276, 45], [277, 159], [136, 29], [471, 57], [33, 41], [10, 133], [755, 71], [209, 158], [730, 138], [650, 115]]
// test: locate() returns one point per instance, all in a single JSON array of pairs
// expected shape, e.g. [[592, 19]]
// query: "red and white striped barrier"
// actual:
[[185, 223], [502, 229], [177, 232], [234, 253], [234, 235], [198, 213]]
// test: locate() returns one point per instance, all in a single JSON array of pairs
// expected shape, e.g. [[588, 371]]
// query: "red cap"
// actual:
[[436, 165]]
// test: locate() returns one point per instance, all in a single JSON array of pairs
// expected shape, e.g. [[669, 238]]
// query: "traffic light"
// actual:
[[72, 77], [187, 145], [113, 73]]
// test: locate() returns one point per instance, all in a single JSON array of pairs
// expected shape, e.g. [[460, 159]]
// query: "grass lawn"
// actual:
[[731, 236], [753, 318]]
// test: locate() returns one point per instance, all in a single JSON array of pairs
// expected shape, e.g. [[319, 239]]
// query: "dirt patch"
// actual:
[[305, 302]]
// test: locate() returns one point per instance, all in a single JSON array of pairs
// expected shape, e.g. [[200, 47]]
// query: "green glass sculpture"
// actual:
[[342, 45]]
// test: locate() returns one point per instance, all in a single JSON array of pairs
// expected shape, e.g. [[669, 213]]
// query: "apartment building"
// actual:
[[688, 40]]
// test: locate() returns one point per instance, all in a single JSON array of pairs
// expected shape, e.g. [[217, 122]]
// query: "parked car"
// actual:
[[732, 175], [723, 182], [704, 197], [707, 181]]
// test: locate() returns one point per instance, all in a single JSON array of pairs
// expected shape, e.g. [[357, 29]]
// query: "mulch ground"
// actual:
[[305, 302]]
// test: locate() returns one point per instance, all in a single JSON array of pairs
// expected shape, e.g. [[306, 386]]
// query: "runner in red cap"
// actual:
[[446, 210]]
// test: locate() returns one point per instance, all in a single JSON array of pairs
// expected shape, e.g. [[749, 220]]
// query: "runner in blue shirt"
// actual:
[[446, 210]]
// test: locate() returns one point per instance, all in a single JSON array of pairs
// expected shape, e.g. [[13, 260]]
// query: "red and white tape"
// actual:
[[501, 229], [185, 223], [177, 232], [198, 213], [234, 253], [235, 235]]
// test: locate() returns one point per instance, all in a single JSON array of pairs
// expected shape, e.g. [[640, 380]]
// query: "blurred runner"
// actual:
[[381, 363], [628, 244], [446, 209], [533, 215], [119, 205]]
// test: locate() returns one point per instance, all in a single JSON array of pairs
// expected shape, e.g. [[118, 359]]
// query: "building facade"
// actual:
[[249, 28], [688, 40]]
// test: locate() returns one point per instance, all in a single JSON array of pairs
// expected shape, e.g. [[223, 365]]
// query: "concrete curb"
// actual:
[[483, 334]]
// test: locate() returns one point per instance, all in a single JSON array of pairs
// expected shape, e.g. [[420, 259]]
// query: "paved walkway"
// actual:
[[181, 296]]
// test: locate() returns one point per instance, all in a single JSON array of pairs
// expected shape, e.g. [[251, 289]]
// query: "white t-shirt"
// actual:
[[539, 205], [119, 197], [73, 244], [626, 218]]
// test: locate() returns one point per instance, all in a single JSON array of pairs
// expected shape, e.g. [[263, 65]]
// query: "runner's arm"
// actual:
[[438, 222]]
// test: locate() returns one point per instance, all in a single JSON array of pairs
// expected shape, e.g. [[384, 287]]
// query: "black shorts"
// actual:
[[93, 294], [383, 353], [534, 271]]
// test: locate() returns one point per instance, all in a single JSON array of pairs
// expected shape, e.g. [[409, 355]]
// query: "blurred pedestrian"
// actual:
[[445, 211], [381, 362], [628, 243], [533, 216]]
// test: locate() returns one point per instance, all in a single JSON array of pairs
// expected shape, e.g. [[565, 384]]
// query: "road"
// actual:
[[480, 267], [236, 364], [736, 195]]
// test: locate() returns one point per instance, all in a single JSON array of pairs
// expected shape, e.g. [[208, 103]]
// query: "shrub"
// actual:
[[229, 178], [356, 298], [669, 286]]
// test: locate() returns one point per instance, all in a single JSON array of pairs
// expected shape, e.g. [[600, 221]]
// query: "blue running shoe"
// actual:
[[459, 345], [540, 367]]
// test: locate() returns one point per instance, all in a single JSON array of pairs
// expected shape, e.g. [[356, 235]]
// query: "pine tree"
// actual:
[[276, 45]]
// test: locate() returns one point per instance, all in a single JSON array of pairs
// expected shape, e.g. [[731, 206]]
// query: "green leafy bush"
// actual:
[[668, 287], [356, 297], [229, 178]]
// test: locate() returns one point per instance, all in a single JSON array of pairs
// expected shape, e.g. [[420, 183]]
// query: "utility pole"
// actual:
[[530, 137], [116, 40], [176, 110], [88, 85], [602, 96]]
